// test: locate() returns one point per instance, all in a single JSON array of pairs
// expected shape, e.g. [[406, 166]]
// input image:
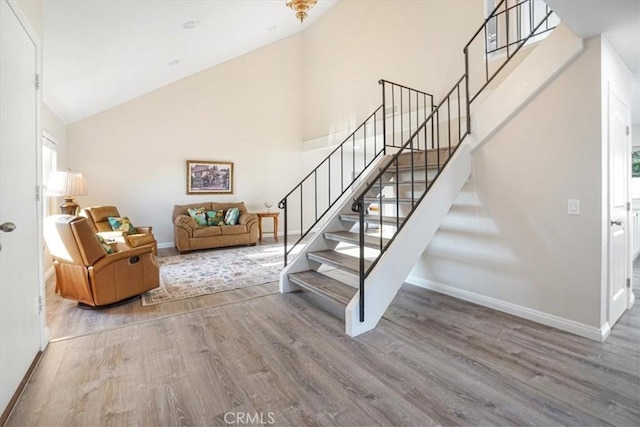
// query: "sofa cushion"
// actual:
[[107, 247], [233, 229], [228, 205], [198, 214], [207, 231], [122, 224], [183, 209], [215, 217], [231, 217]]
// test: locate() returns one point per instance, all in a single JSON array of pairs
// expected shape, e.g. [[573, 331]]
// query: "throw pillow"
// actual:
[[232, 215], [198, 215], [107, 247], [122, 224], [215, 217]]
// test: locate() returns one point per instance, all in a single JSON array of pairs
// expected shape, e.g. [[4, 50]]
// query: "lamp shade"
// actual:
[[66, 183]]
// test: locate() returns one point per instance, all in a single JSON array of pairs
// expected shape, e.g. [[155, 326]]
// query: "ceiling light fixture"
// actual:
[[301, 7], [189, 25]]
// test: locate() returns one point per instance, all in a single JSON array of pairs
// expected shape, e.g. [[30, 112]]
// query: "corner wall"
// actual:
[[247, 111], [508, 241]]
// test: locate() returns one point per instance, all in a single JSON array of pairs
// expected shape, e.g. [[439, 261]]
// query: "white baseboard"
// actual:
[[165, 245], [547, 319]]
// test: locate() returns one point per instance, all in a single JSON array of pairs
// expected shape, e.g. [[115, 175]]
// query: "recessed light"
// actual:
[[189, 25], [174, 62]]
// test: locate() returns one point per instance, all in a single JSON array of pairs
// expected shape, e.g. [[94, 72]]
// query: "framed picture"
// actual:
[[209, 177]]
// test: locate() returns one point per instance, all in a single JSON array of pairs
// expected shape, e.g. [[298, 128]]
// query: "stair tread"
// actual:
[[391, 200], [401, 183], [323, 285], [354, 238], [337, 259], [372, 219]]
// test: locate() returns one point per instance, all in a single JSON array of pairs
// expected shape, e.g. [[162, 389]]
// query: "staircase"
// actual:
[[365, 243]]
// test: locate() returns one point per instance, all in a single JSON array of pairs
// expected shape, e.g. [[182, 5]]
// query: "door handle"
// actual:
[[7, 227], [616, 223]]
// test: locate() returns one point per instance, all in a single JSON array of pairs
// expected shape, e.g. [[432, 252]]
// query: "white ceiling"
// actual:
[[100, 53]]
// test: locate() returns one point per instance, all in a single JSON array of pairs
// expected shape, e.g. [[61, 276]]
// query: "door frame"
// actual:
[[24, 21], [630, 297]]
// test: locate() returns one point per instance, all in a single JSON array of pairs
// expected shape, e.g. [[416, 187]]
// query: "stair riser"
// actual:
[[418, 157]]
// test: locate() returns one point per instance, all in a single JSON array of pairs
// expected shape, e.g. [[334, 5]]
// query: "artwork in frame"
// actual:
[[209, 177]]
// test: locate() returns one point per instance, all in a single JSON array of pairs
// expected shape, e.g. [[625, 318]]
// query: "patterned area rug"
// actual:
[[217, 270]]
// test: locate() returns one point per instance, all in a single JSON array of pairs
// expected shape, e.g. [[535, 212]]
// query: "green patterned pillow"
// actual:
[[122, 224], [215, 217], [199, 215], [107, 247], [231, 217]]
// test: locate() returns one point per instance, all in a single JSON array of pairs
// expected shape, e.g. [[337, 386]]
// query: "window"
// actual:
[[49, 161], [514, 21]]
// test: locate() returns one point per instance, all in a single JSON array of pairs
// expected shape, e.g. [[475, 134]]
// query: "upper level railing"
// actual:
[[401, 112], [443, 129]]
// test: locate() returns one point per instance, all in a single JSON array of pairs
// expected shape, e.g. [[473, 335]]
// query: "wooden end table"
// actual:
[[273, 215]]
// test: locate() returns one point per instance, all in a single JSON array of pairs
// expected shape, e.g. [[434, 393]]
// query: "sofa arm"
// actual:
[[248, 219], [186, 223], [144, 229]]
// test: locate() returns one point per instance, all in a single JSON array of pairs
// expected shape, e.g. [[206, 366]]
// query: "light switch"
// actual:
[[573, 206]]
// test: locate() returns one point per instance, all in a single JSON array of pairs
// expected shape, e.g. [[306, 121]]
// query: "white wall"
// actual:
[[255, 110], [509, 238], [353, 46], [247, 111]]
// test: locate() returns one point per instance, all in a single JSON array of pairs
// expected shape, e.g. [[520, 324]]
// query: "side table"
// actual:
[[273, 215]]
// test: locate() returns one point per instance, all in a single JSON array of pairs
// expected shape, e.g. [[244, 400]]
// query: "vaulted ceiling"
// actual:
[[100, 53]]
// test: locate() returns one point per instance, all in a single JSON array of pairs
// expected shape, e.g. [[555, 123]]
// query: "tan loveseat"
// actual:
[[189, 236]]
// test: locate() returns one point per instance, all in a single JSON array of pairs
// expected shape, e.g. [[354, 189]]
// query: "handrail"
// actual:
[[350, 166], [434, 121]]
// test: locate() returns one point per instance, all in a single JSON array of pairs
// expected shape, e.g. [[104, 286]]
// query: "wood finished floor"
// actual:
[[433, 360]]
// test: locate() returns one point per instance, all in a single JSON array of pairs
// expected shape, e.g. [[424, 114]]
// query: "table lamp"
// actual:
[[68, 185]]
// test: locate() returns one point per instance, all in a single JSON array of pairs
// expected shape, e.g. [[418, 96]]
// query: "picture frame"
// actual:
[[209, 177]]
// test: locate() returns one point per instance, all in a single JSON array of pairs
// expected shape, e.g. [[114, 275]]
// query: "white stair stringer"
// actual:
[[396, 263], [538, 69], [317, 241]]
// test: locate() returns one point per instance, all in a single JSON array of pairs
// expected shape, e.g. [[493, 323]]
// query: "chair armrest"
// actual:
[[144, 229], [121, 255], [247, 219], [187, 223]]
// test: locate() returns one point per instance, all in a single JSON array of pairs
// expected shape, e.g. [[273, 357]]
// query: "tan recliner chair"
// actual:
[[86, 273], [98, 217]]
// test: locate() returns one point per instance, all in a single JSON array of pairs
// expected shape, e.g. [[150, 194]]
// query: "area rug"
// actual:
[[217, 270]]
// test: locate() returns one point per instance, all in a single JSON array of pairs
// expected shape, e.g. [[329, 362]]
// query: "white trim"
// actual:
[[49, 273], [547, 319], [165, 245]]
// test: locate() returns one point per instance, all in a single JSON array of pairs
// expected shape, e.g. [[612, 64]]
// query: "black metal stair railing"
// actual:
[[444, 125], [335, 175]]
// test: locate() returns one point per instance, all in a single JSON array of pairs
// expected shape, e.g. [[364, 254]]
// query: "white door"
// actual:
[[20, 257], [619, 176]]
